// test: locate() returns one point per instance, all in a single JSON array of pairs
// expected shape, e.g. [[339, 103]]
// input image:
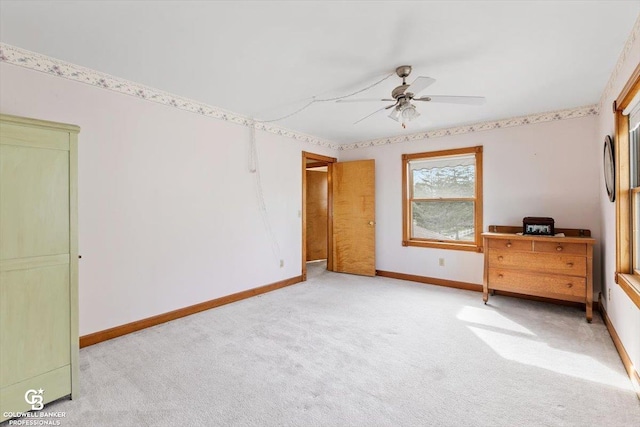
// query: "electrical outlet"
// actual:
[[281, 263], [441, 262]]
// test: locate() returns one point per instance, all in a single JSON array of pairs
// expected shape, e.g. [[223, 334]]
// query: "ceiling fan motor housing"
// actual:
[[403, 72], [399, 91]]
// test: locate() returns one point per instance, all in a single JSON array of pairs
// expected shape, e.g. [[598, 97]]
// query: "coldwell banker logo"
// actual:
[[34, 417], [34, 398]]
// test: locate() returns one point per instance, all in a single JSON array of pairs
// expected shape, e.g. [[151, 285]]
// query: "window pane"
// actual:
[[635, 212], [434, 181], [443, 220], [634, 147]]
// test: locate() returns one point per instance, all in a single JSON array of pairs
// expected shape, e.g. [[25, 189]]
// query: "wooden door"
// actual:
[[354, 217], [38, 263], [316, 215]]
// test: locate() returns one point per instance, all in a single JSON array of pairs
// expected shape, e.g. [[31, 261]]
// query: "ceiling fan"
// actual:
[[403, 110]]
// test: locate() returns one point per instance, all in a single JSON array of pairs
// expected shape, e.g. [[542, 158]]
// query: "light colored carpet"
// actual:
[[343, 350]]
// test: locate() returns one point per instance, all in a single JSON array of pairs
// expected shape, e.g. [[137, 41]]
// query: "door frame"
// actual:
[[318, 160]]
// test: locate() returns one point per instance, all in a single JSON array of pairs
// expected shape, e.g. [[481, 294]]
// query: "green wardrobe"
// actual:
[[38, 262]]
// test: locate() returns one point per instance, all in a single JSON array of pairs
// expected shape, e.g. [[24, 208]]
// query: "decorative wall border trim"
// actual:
[[589, 110], [45, 64], [635, 33]]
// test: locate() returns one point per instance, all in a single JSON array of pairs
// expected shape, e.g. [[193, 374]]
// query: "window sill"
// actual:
[[630, 283], [471, 247]]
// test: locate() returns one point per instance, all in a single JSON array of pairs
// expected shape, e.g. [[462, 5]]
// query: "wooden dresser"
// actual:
[[545, 266]]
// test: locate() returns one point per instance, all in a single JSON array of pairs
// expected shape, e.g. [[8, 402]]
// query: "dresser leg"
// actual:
[[485, 296]]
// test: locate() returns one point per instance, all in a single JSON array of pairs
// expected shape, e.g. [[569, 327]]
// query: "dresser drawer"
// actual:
[[559, 268], [510, 245], [560, 248], [573, 265], [544, 285]]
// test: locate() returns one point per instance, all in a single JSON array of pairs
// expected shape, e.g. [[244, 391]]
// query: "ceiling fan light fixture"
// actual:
[[404, 113], [396, 114], [409, 113]]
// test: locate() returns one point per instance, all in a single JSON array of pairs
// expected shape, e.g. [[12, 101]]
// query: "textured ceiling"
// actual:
[[268, 59]]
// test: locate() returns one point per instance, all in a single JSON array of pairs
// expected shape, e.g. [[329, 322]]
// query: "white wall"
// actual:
[[169, 215], [624, 314], [168, 211], [545, 169]]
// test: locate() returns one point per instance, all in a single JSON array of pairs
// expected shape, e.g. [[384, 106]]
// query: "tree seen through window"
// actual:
[[442, 196]]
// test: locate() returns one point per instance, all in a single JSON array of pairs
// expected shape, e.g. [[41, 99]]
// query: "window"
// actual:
[[627, 187], [442, 199], [634, 168]]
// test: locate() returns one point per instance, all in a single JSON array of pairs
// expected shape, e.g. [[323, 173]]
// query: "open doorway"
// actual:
[[316, 210], [350, 215]]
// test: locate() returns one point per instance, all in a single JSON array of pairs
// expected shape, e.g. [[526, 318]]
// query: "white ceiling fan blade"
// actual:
[[420, 84], [366, 100], [377, 111], [469, 100]]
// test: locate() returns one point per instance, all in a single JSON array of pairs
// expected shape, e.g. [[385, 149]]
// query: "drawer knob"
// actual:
[[570, 264], [569, 285], [500, 258], [559, 249], [500, 276], [509, 244]]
